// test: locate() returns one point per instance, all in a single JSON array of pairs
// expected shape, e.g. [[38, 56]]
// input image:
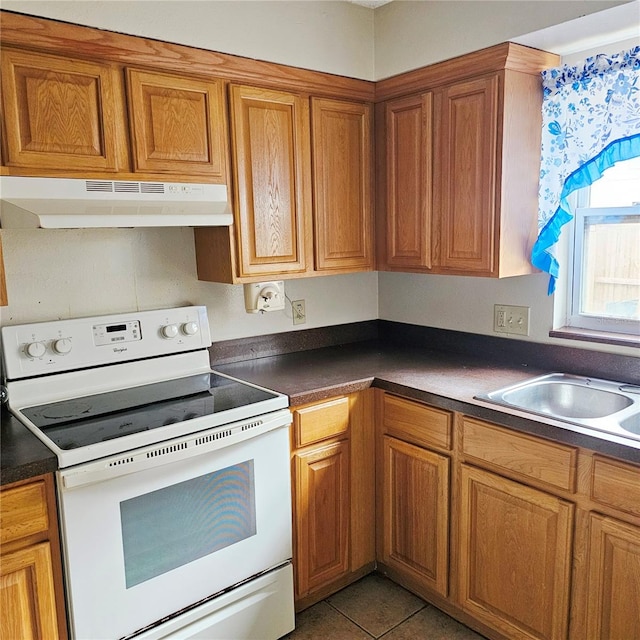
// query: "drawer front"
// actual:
[[524, 455], [23, 511], [616, 485], [321, 421], [417, 423]]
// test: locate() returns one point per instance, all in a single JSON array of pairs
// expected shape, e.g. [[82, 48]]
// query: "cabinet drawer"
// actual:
[[616, 484], [321, 421], [417, 423], [23, 511], [524, 455]]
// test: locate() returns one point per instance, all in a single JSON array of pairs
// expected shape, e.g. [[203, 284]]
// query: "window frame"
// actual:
[[575, 318]]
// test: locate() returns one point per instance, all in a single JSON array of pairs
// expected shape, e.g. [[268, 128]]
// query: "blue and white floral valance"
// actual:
[[590, 120]]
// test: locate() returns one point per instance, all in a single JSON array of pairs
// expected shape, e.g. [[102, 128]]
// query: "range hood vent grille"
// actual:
[[67, 203], [94, 186], [106, 186]]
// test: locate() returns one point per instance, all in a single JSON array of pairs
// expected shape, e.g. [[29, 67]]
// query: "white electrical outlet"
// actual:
[[299, 313], [511, 319]]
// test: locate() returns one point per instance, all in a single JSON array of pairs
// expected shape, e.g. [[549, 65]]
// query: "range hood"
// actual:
[[70, 203]]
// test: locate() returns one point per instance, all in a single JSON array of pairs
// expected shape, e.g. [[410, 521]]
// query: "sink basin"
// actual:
[[604, 405], [567, 399], [632, 424]]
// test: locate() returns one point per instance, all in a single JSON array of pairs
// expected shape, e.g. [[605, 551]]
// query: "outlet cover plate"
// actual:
[[299, 312], [511, 319]]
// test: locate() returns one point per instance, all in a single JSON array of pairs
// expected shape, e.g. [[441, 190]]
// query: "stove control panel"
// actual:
[[64, 345], [117, 332]]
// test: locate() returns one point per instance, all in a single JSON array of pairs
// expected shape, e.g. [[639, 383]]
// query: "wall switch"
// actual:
[[299, 313], [511, 319]]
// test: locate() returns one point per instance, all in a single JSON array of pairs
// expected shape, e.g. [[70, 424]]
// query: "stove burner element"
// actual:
[[67, 410]]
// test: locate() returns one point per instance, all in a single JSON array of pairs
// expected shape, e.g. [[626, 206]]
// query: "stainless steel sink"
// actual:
[[632, 424], [604, 405]]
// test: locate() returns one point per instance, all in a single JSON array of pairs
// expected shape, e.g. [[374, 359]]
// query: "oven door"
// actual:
[[142, 545]]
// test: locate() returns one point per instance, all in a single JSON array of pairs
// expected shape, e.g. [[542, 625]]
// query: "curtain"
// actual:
[[590, 121]]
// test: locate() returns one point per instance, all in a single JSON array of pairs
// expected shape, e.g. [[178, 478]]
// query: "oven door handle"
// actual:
[[171, 450]]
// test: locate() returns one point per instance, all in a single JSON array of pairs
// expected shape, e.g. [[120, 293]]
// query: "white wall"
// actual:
[[55, 273]]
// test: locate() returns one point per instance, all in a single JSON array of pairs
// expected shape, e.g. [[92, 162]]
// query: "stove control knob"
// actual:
[[190, 328], [35, 349], [169, 331], [62, 346]]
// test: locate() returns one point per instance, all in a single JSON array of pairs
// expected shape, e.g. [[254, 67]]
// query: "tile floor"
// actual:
[[376, 607]]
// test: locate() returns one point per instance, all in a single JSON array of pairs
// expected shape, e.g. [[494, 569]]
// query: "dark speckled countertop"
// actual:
[[448, 377], [449, 381], [22, 454]]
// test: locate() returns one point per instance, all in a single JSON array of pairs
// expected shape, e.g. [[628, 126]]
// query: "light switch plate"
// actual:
[[511, 319]]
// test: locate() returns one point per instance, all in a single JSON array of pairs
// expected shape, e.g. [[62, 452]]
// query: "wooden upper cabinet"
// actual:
[[62, 114], [177, 125], [465, 175], [407, 125], [272, 181], [473, 209], [342, 181]]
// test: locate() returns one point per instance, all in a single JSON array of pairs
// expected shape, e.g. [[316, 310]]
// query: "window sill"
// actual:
[[603, 337]]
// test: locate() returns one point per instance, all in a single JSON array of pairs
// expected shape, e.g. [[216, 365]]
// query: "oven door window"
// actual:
[[173, 526]]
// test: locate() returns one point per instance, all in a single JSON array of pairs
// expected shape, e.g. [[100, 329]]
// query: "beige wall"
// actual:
[[68, 273], [433, 31], [336, 37]]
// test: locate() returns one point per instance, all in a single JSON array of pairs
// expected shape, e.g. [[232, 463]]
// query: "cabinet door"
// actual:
[[27, 597], [466, 117], [62, 114], [613, 611], [177, 125], [343, 185], [409, 169], [416, 513], [515, 556], [271, 158], [322, 508]]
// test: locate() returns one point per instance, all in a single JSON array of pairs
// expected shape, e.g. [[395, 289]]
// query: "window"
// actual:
[[605, 283]]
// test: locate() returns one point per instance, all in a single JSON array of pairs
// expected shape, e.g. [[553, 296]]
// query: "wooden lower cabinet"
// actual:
[[27, 595], [613, 607], [333, 495], [514, 556], [322, 515], [415, 507], [31, 600]]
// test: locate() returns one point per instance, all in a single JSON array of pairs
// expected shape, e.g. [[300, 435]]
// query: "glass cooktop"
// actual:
[[79, 422]]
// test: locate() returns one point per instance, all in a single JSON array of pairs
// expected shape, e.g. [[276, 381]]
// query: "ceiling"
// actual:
[[372, 4]]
